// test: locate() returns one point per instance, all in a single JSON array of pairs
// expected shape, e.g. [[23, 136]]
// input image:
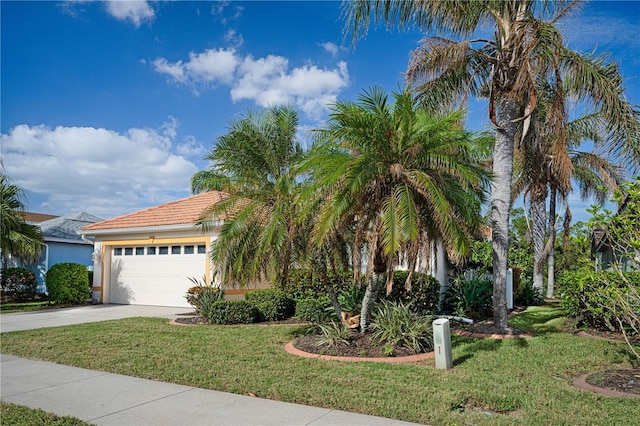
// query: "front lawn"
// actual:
[[7, 308], [511, 381], [18, 415]]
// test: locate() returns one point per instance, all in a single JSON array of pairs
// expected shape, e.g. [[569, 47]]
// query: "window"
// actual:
[[128, 251], [139, 251], [151, 250], [176, 249], [163, 250], [188, 249], [117, 251], [202, 249]]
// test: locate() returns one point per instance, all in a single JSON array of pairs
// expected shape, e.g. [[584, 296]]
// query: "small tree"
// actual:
[[623, 234]]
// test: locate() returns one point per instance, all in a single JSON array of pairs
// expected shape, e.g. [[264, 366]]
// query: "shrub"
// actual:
[[527, 294], [423, 297], [18, 284], [202, 296], [333, 334], [313, 310], [272, 304], [395, 325], [350, 298], [68, 283], [589, 295], [302, 284], [231, 312], [470, 297]]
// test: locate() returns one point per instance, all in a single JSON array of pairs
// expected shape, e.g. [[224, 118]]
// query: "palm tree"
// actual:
[[551, 158], [525, 48], [253, 164], [17, 237], [398, 176]]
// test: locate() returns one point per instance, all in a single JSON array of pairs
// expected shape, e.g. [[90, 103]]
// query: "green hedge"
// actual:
[[272, 304], [313, 310], [68, 283], [586, 294], [231, 312], [303, 284], [423, 296]]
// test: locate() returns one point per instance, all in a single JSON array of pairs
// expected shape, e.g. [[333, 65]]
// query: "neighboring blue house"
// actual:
[[63, 243]]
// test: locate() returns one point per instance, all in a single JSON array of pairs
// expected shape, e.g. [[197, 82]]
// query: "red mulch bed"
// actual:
[[625, 381], [619, 380], [361, 345]]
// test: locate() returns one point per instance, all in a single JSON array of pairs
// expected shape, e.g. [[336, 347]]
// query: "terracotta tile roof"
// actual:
[[181, 212], [37, 217]]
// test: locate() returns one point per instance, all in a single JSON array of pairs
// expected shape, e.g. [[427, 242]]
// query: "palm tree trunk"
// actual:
[[552, 240], [370, 296], [377, 279], [538, 213], [501, 205]]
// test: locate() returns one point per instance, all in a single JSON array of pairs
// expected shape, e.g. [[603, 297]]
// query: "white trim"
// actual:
[[67, 241], [142, 229]]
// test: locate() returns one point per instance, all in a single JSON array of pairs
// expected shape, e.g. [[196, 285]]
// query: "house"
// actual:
[[148, 257], [606, 253], [62, 242]]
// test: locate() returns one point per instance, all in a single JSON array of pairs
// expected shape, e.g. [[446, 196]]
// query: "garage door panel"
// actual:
[[154, 279]]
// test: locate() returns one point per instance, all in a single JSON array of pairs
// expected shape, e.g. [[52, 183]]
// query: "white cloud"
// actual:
[[136, 12], [233, 38], [266, 81], [97, 170], [256, 77], [175, 70], [190, 147], [73, 7], [332, 48], [210, 66]]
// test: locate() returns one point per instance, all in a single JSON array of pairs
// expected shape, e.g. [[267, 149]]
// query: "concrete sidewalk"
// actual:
[[112, 399]]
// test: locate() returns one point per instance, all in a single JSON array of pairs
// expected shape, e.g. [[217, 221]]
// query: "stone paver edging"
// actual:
[[393, 360], [581, 383]]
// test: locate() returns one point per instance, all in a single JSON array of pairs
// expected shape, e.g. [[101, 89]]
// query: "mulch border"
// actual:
[[465, 333], [514, 312], [580, 382], [295, 351], [391, 360]]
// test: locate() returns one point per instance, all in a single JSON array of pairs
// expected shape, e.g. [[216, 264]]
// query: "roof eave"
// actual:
[[66, 241], [141, 229]]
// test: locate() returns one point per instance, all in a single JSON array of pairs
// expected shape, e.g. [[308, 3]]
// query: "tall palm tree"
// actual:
[[253, 164], [17, 237], [525, 47], [398, 176], [548, 163]]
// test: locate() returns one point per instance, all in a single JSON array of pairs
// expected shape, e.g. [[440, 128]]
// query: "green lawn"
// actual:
[[7, 308], [17, 415], [529, 380]]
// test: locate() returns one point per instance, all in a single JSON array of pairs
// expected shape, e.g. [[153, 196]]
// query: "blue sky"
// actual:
[[110, 107]]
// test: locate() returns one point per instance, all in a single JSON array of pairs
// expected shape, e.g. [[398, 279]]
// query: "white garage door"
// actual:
[[155, 274]]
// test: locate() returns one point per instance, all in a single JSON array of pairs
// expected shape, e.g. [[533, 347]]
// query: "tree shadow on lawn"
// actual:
[[539, 320]]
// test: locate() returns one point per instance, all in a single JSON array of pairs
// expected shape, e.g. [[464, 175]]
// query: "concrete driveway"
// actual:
[[81, 314]]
